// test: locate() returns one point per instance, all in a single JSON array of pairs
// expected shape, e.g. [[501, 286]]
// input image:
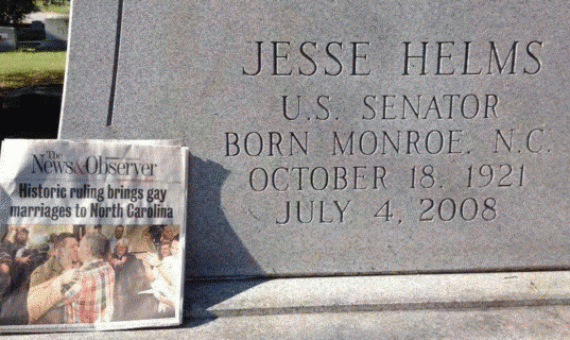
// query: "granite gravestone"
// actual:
[[8, 40], [56, 32], [339, 137]]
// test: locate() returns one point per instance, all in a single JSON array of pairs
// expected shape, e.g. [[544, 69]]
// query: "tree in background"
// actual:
[[54, 2], [13, 11]]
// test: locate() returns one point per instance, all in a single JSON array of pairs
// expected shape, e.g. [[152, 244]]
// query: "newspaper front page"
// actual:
[[93, 234]]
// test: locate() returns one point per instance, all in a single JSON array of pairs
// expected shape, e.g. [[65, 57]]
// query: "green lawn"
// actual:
[[20, 69], [62, 9]]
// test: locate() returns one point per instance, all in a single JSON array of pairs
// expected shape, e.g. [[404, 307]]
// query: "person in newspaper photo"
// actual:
[[164, 277], [65, 257], [130, 280], [5, 277], [168, 234], [16, 242], [119, 230], [162, 267], [87, 292], [24, 260]]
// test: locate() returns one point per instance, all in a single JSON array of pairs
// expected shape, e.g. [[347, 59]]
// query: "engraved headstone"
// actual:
[[8, 40], [341, 137], [56, 32]]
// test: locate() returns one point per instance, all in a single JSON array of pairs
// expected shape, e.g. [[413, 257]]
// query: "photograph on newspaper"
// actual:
[[92, 235]]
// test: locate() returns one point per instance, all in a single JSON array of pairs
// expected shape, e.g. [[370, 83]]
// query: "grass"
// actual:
[[61, 9], [21, 68]]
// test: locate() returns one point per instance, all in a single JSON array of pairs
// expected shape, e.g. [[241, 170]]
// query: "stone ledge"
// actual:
[[545, 322], [530, 305], [377, 293]]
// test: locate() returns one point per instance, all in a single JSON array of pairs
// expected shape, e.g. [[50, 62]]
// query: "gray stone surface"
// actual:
[[57, 32], [481, 186], [461, 306], [542, 322], [8, 41], [377, 293]]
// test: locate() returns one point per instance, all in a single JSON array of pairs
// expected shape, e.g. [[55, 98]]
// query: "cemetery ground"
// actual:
[[31, 84], [29, 68], [62, 8]]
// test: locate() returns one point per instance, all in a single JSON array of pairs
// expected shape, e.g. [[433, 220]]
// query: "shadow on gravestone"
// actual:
[[212, 246]]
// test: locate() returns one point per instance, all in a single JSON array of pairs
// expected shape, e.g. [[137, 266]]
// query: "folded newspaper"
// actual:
[[92, 234]]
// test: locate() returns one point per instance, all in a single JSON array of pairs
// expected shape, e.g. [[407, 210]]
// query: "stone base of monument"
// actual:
[[495, 305], [526, 305], [378, 293]]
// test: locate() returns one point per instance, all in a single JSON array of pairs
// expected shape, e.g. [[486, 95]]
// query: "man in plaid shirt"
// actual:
[[89, 295]]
